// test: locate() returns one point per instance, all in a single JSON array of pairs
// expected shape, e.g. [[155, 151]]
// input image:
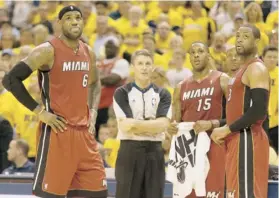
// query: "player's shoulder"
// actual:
[[89, 49], [257, 68], [44, 48]]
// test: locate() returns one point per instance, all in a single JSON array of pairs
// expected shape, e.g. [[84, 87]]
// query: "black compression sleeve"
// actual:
[[13, 83], [222, 122], [256, 112]]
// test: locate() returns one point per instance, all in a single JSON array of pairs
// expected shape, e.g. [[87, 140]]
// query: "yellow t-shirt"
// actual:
[[50, 16], [27, 124], [197, 30], [272, 19], [273, 98], [17, 50], [187, 12], [114, 145], [8, 107], [168, 57], [261, 45], [163, 44], [219, 57], [175, 18], [273, 157]]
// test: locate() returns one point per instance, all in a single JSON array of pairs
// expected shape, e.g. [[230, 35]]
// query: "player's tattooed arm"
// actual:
[[94, 90], [94, 85], [40, 58]]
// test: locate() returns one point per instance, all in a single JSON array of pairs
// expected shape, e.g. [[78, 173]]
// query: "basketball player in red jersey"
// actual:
[[199, 99], [68, 163], [246, 140]]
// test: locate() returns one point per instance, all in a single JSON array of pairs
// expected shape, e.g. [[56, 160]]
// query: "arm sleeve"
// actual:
[[13, 83], [121, 105], [164, 107], [257, 111], [121, 68]]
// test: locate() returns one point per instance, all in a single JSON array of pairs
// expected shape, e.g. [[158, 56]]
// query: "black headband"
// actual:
[[68, 9]]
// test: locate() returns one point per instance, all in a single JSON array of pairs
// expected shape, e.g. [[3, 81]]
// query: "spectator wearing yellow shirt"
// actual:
[[89, 18], [273, 38], [47, 11], [26, 38], [132, 30], [41, 34], [270, 58], [272, 19], [149, 44], [175, 18], [198, 27], [163, 36], [8, 107], [254, 16], [175, 43], [159, 78], [112, 144], [218, 50], [123, 10], [27, 122], [100, 37]]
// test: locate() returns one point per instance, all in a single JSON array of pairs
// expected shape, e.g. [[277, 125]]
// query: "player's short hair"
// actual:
[[256, 32], [199, 42], [141, 52], [23, 145], [269, 48]]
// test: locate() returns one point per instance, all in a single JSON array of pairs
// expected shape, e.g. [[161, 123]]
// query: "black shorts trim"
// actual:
[[41, 160], [246, 165], [45, 194], [87, 193]]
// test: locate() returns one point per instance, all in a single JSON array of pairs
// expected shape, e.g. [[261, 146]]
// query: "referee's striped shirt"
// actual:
[[130, 101]]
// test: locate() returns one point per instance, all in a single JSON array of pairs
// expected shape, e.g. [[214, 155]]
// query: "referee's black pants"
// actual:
[[140, 170]]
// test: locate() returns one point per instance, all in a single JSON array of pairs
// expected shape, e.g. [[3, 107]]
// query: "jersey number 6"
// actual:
[[85, 80]]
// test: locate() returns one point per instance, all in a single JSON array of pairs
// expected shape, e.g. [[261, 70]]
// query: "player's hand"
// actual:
[[218, 134], [92, 121], [57, 123], [202, 125], [172, 129]]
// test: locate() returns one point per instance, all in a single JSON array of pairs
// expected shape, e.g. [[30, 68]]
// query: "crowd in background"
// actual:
[[114, 30]]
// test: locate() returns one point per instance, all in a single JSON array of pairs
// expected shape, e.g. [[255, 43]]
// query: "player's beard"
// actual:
[[69, 36]]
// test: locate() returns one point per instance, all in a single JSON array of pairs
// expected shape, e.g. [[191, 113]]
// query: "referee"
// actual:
[[143, 112]]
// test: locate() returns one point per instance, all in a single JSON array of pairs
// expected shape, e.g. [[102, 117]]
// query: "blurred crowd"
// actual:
[[116, 29]]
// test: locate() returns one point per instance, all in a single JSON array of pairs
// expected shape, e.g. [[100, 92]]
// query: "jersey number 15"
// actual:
[[204, 104]]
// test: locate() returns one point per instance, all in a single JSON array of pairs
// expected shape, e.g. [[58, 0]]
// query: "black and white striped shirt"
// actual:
[[150, 103]]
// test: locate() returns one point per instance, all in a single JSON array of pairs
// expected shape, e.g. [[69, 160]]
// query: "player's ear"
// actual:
[[257, 41]]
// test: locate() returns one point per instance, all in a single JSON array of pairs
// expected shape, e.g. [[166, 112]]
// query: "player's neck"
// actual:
[[70, 43], [247, 58], [200, 75], [19, 162], [142, 84]]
